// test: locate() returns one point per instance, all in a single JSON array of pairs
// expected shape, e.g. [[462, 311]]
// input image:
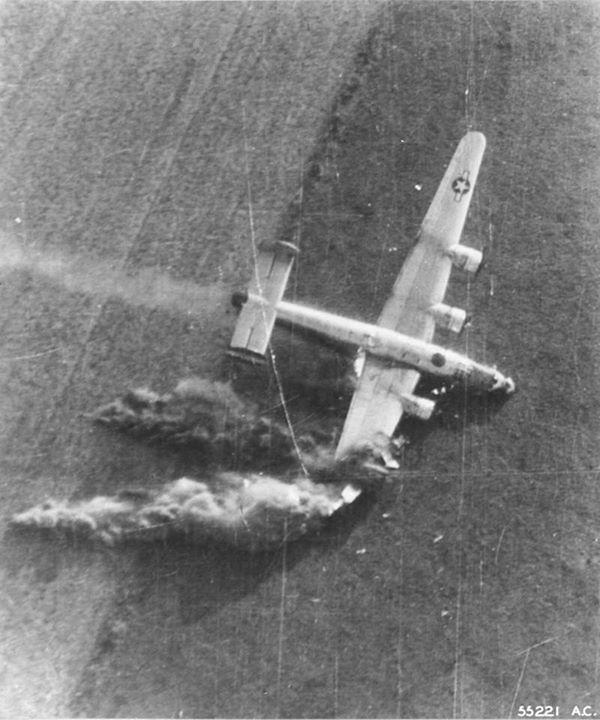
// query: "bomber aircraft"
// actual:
[[399, 348]]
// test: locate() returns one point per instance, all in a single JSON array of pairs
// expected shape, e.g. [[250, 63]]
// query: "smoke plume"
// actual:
[[254, 512], [102, 279], [211, 418]]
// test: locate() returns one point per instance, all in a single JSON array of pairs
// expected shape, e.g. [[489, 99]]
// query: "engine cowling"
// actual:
[[465, 258], [417, 406], [450, 318]]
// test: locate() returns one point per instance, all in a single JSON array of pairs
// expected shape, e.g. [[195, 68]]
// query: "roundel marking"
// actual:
[[438, 360], [461, 186]]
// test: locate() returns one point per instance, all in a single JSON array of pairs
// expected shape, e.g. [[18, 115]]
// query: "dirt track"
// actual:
[[134, 137]]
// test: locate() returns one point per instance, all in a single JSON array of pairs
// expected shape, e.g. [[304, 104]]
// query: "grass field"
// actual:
[[143, 143]]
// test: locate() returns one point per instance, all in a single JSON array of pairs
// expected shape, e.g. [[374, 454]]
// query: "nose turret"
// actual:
[[488, 379]]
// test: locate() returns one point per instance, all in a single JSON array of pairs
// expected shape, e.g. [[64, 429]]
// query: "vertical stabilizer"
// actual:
[[257, 317]]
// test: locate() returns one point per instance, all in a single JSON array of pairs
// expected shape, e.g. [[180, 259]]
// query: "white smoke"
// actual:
[[254, 512], [104, 279]]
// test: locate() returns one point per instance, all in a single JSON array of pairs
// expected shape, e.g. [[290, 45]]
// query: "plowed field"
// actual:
[[143, 144]]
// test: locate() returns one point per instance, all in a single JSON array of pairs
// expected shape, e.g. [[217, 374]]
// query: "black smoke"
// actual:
[[210, 418]]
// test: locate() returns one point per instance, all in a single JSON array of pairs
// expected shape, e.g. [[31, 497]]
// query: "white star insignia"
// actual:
[[461, 185]]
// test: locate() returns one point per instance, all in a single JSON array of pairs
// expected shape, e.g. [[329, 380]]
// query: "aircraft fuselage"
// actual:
[[388, 344]]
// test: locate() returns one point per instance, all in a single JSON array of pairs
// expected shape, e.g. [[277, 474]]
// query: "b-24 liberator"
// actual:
[[399, 348]]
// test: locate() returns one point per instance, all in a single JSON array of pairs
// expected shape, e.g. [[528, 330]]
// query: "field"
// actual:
[[144, 146]]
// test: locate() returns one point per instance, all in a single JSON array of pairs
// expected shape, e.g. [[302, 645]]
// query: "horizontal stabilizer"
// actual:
[[247, 356], [255, 322]]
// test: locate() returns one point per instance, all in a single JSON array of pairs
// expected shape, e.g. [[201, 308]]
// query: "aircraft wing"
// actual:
[[376, 407], [378, 401], [424, 276]]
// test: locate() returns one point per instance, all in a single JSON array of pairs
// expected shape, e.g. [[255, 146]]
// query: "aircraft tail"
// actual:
[[259, 305]]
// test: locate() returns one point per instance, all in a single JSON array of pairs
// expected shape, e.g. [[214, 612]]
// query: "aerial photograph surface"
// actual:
[[188, 534]]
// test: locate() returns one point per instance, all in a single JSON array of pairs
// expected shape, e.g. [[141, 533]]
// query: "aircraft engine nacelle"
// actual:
[[465, 258], [450, 318], [417, 406]]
